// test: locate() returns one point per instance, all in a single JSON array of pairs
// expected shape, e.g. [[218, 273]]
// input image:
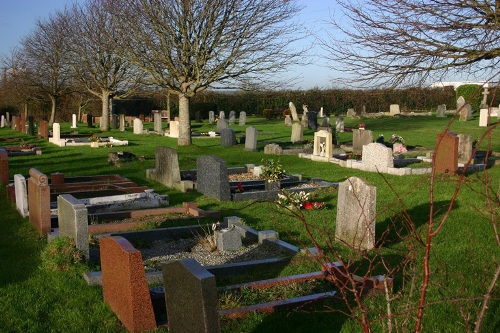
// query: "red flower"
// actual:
[[308, 205]]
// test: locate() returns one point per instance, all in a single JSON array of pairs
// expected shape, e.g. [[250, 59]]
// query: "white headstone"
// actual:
[[73, 121], [251, 138], [138, 129], [394, 109], [483, 117], [321, 112], [21, 195], [174, 129], [56, 133], [2, 122], [378, 156]]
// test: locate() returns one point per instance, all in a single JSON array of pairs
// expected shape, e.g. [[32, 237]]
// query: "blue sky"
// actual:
[[18, 17]]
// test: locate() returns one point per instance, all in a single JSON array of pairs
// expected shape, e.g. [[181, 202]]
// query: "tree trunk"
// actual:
[[53, 105], [104, 125], [184, 122]]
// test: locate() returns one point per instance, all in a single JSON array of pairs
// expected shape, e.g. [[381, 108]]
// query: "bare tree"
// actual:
[[407, 42], [44, 60], [186, 46], [96, 60]]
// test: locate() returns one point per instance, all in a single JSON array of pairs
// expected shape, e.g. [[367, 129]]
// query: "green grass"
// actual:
[[464, 253]]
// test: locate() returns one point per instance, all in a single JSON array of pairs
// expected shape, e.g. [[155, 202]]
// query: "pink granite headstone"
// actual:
[[446, 153]]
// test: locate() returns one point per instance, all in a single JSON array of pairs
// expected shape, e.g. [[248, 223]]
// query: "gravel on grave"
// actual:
[[162, 251]]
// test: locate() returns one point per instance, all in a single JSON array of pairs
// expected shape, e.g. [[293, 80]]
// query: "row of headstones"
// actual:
[[232, 117], [20, 124]]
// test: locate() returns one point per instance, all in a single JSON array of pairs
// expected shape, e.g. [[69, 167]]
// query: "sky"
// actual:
[[18, 17]]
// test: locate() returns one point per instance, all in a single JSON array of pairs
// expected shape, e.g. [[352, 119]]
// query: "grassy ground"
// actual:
[[464, 255]]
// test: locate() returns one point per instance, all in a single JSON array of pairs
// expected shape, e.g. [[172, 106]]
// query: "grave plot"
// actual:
[[102, 193], [65, 140], [17, 147]]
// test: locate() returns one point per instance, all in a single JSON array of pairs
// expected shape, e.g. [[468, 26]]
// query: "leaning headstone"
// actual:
[[124, 285], [138, 127], [293, 111], [377, 156], [460, 102], [484, 117], [356, 214], [158, 123], [464, 148], [339, 125], [466, 112], [446, 153], [312, 120], [4, 166], [212, 178], [394, 109], [73, 221], [441, 111], [323, 144], [251, 138], [227, 137], [122, 122], [167, 166], [243, 118], [228, 240], [360, 138], [232, 117], [191, 297], [297, 133], [288, 120], [221, 124], [211, 117], [73, 121], [21, 192]]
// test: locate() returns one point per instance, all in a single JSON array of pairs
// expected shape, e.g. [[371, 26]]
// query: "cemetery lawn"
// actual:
[[34, 298]]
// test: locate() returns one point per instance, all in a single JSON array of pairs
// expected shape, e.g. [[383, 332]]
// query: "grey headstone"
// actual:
[[212, 178], [464, 148], [221, 124], [325, 122], [122, 122], [158, 123], [297, 133], [222, 115], [293, 111], [377, 156], [360, 138], [232, 117], [243, 118], [273, 149], [356, 214], [191, 297], [441, 111], [339, 125], [73, 221], [466, 113], [251, 138], [227, 137], [21, 192], [351, 113], [211, 117], [167, 166], [228, 240], [288, 120], [138, 129]]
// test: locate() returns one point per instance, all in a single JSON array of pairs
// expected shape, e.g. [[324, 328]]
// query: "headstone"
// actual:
[[222, 115], [446, 153], [21, 192], [484, 117], [323, 144], [305, 117], [2, 122], [211, 117], [89, 120], [197, 117], [167, 166], [221, 124], [466, 112], [378, 156], [4, 166], [122, 122], [158, 123], [484, 100], [464, 148], [356, 214], [394, 109], [138, 127], [293, 111], [174, 128], [31, 125], [232, 117], [297, 133], [191, 297], [228, 239], [494, 112], [212, 178], [351, 113], [273, 149], [339, 125], [360, 138], [73, 221], [321, 112], [7, 118], [73, 121], [56, 133], [325, 122], [441, 111], [460, 102], [312, 120], [243, 118], [288, 120], [227, 137], [124, 285], [39, 201], [251, 138], [114, 121], [44, 129]]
